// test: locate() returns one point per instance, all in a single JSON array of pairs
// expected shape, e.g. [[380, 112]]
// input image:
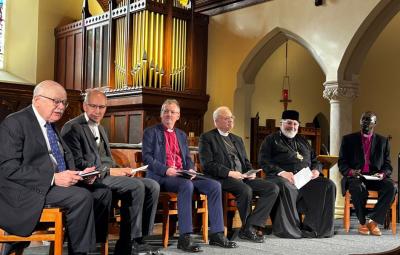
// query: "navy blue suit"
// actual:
[[154, 155]]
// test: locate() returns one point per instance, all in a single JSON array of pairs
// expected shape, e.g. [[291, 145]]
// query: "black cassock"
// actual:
[[316, 199]]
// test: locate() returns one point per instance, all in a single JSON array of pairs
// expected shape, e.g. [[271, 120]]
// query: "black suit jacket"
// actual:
[[351, 156], [214, 156], [26, 171], [82, 143]]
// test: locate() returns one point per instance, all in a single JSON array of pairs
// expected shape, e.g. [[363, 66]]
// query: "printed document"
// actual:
[[302, 177]]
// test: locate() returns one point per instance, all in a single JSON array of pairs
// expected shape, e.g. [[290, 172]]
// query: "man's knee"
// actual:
[[84, 197], [152, 186]]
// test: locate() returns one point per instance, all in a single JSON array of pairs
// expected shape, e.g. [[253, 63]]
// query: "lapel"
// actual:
[[221, 145], [88, 133], [105, 138], [236, 143], [37, 131], [161, 142]]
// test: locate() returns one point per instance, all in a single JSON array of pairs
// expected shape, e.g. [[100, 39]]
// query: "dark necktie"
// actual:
[[51, 135]]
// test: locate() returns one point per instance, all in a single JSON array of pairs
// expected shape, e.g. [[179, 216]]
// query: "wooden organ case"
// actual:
[[140, 52]]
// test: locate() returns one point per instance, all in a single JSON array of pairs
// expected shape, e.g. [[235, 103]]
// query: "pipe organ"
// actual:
[[141, 52]]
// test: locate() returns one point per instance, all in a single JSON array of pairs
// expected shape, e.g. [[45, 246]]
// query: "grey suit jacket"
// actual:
[[26, 171], [214, 156], [82, 143]]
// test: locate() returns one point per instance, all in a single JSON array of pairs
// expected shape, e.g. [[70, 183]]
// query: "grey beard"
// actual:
[[288, 134]]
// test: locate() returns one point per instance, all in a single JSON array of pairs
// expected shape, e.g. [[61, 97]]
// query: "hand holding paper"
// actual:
[[302, 177]]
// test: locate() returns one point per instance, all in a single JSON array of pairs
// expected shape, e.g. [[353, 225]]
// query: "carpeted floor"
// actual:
[[342, 243]]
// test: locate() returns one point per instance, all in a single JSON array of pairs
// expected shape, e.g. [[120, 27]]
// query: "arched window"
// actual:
[[2, 34]]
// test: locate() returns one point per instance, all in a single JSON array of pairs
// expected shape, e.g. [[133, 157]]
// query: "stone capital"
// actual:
[[338, 91]]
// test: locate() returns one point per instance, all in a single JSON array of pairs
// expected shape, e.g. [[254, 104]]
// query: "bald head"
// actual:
[[95, 104], [43, 86], [50, 100]]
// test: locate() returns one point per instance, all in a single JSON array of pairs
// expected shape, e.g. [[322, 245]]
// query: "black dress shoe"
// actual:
[[250, 235], [308, 233], [123, 248], [219, 239], [142, 246], [185, 242]]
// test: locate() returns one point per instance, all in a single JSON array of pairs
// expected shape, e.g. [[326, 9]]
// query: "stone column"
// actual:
[[340, 95]]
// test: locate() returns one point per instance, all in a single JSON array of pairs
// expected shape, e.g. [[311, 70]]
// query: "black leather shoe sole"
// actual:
[[254, 239], [225, 245], [192, 248]]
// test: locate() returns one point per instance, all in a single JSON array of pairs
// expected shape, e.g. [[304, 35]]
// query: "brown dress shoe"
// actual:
[[373, 228], [363, 229]]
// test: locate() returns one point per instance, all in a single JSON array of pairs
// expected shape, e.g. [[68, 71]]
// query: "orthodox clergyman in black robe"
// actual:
[[282, 155]]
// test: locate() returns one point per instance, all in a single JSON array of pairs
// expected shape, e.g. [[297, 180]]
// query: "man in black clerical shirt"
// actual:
[[281, 156], [223, 156]]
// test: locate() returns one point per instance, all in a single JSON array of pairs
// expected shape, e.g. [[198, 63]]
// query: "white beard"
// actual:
[[288, 133]]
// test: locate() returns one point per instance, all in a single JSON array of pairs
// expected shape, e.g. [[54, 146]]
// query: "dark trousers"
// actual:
[[80, 223], [244, 191], [359, 195], [316, 200], [184, 188], [102, 199], [139, 199]]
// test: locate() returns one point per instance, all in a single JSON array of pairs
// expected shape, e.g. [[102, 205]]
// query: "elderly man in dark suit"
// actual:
[[37, 169], [166, 151], [367, 153], [223, 156], [139, 196]]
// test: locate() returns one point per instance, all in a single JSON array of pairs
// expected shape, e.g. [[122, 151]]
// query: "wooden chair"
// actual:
[[54, 234], [52, 219], [372, 197], [168, 206]]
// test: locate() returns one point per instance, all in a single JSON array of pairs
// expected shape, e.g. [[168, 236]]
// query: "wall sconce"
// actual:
[[286, 83]]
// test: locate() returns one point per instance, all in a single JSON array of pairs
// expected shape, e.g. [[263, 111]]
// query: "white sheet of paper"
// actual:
[[371, 177], [302, 177], [142, 168]]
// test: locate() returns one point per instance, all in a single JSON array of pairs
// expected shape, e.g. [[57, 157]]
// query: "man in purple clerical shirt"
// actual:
[[364, 161]]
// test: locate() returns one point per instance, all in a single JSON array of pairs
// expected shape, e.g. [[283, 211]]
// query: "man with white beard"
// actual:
[[282, 155]]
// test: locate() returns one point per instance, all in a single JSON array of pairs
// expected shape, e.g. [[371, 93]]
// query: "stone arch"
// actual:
[[250, 67], [364, 38]]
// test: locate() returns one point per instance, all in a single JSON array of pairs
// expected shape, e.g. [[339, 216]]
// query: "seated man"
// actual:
[[37, 169], [166, 151], [367, 153], [139, 196], [282, 155], [223, 156]]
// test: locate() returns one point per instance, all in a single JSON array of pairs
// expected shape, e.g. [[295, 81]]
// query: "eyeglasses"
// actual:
[[57, 102], [227, 118], [97, 106], [291, 122]]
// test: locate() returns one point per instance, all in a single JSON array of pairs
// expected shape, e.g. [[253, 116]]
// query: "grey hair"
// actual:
[[218, 111], [90, 92], [168, 102], [44, 85]]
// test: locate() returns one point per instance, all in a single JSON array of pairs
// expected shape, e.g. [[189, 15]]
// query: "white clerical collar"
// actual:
[[223, 133], [90, 122]]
